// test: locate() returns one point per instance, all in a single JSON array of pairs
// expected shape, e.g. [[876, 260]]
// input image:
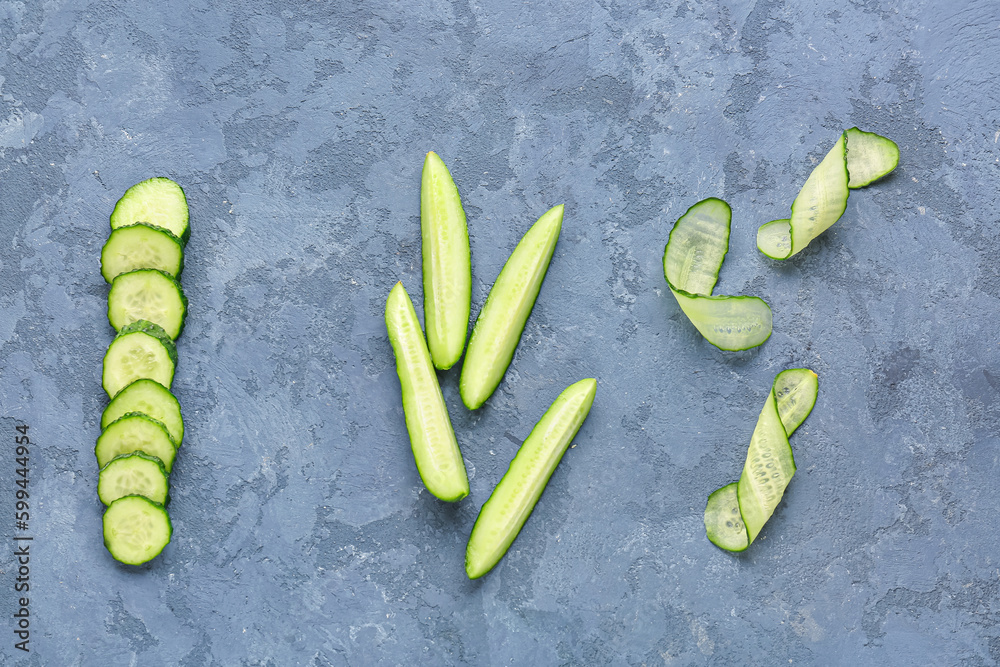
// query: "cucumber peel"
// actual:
[[692, 259], [500, 323], [736, 513], [856, 160], [432, 438], [447, 264], [509, 506]]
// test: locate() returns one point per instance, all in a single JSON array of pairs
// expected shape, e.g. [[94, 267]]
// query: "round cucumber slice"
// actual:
[[133, 474], [141, 246], [147, 294], [140, 350], [150, 398], [136, 529], [156, 201], [135, 432]]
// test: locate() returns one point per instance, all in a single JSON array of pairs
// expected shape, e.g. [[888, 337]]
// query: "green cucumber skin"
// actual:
[[512, 501], [446, 264], [432, 438], [504, 315], [119, 320], [140, 232], [134, 206]]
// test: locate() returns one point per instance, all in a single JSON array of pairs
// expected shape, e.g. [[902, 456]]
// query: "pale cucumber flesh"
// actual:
[[503, 317], [147, 294], [432, 438], [447, 264], [509, 506]]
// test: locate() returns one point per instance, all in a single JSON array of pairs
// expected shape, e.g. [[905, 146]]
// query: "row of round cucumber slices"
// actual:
[[142, 427], [447, 287]]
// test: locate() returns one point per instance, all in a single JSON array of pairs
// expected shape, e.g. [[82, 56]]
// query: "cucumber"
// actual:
[[147, 294], [500, 323], [513, 499], [151, 398], [692, 259], [857, 159], [736, 513], [141, 246], [447, 264], [133, 474], [136, 529], [432, 438], [140, 350], [156, 201], [135, 432]]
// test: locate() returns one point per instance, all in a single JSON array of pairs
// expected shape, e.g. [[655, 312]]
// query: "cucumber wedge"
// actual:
[[147, 294], [432, 438], [136, 529], [157, 201], [150, 398], [447, 264], [141, 246], [500, 323], [857, 159], [736, 513], [509, 506], [133, 474], [135, 432], [140, 350], [692, 259]]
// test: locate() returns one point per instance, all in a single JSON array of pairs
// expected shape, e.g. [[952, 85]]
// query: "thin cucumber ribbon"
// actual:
[[736, 513], [857, 159], [691, 262]]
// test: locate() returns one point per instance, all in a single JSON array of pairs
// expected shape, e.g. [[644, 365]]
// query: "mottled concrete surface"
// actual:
[[302, 534]]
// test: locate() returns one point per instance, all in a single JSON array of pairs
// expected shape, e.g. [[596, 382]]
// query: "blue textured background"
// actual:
[[302, 534]]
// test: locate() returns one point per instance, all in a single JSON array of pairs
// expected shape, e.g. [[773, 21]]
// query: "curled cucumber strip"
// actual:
[[697, 245], [736, 513], [857, 159]]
